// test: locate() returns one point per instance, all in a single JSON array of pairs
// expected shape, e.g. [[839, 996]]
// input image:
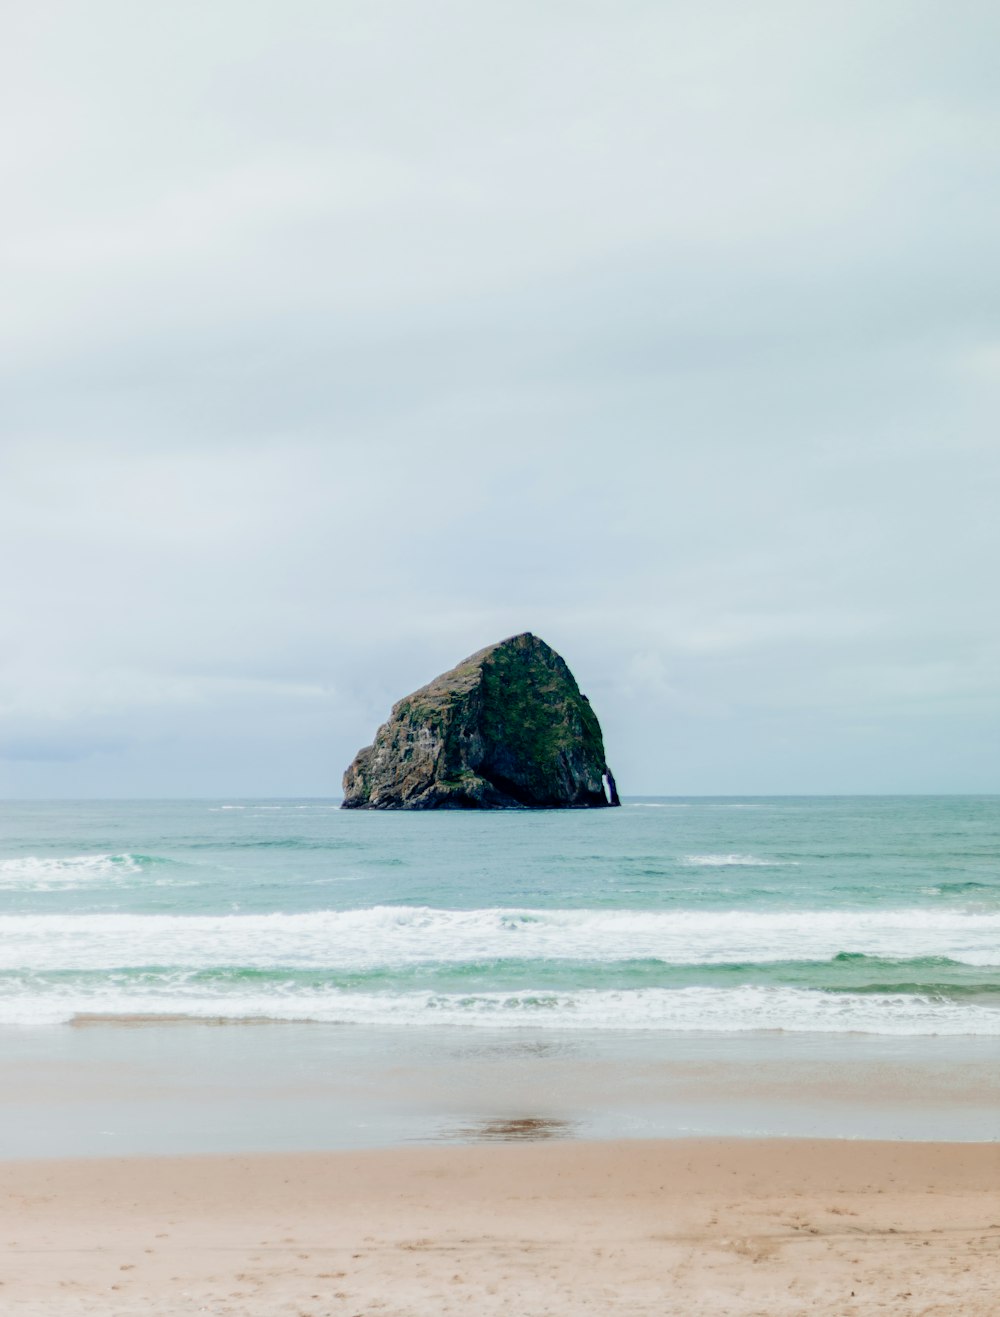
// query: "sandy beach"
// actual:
[[522, 1227]]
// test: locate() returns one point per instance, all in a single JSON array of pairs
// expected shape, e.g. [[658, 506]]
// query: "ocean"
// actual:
[[870, 915], [680, 930]]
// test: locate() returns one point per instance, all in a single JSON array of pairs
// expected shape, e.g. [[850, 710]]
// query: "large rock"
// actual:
[[507, 728]]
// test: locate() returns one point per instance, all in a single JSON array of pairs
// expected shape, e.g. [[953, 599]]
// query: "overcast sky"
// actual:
[[340, 339]]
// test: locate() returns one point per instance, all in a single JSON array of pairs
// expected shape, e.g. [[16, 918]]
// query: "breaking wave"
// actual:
[[46, 873], [407, 935]]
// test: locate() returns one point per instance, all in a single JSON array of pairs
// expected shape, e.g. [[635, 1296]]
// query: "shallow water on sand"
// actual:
[[110, 1090]]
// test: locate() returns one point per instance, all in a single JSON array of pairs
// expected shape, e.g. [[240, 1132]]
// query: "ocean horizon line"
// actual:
[[628, 797]]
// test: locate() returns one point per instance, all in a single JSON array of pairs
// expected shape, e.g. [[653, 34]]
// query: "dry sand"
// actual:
[[685, 1227]]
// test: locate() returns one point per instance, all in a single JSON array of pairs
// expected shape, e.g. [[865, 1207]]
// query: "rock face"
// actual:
[[507, 728]]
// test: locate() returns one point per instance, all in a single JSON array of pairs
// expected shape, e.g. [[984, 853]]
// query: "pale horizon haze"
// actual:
[[340, 340]]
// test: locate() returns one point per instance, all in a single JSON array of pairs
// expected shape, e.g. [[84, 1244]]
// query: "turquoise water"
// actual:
[[803, 915]]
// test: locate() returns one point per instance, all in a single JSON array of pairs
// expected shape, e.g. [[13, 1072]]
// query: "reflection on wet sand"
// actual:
[[504, 1129], [515, 1048]]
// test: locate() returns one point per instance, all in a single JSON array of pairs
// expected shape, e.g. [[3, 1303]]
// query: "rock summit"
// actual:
[[507, 728]]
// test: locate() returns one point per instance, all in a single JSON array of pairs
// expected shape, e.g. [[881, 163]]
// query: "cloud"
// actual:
[[54, 749], [342, 339]]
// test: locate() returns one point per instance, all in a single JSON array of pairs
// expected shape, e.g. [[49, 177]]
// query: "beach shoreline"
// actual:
[[699, 1226], [185, 1088]]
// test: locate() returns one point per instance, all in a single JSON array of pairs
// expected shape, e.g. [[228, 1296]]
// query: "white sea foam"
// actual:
[[404, 936], [44, 873], [734, 862], [696, 1009]]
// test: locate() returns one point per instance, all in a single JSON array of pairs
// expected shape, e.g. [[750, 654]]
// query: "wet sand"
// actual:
[[525, 1227], [161, 1089]]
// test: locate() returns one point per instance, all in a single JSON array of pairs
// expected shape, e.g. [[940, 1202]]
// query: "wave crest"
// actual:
[[409, 935], [45, 872]]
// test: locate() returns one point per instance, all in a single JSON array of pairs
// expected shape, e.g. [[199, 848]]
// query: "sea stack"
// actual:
[[507, 728]]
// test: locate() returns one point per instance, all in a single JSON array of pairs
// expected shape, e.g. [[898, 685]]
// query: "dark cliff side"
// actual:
[[506, 728]]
